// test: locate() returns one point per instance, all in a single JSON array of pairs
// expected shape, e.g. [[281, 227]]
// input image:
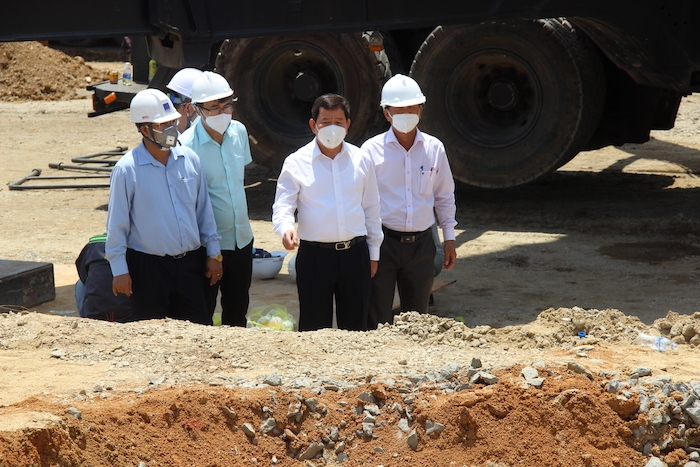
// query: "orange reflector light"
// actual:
[[109, 98], [376, 47]]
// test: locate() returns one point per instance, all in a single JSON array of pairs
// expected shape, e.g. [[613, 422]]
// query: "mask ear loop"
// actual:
[[150, 127]]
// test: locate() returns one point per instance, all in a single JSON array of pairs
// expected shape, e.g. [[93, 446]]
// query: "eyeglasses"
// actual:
[[225, 106], [164, 125]]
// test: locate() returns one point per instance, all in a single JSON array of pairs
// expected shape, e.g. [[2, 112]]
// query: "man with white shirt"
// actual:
[[332, 186], [414, 178]]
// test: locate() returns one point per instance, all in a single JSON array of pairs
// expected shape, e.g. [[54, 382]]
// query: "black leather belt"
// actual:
[[338, 246], [405, 237], [180, 256]]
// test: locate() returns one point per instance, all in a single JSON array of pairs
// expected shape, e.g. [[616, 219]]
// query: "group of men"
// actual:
[[178, 232], [177, 214], [365, 215]]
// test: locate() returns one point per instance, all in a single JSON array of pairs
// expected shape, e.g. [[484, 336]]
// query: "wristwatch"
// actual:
[[218, 257]]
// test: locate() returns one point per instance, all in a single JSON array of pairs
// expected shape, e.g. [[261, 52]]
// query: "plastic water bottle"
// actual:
[[659, 343], [127, 74]]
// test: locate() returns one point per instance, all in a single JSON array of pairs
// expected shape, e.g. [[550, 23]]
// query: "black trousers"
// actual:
[[234, 286], [324, 273], [408, 267], [167, 287]]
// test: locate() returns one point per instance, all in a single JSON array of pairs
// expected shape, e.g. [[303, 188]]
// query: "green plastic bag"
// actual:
[[271, 317]]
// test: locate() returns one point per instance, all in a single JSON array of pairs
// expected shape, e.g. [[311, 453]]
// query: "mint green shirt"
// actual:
[[224, 171]]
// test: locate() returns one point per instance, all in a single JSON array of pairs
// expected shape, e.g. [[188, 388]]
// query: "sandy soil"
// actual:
[[615, 229]]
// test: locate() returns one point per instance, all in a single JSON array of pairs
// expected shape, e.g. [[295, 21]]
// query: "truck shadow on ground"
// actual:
[[609, 239]]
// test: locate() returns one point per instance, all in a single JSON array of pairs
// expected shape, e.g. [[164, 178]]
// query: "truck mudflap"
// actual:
[[108, 97]]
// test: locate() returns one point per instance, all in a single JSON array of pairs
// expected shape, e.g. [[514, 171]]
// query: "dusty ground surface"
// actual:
[[615, 229]]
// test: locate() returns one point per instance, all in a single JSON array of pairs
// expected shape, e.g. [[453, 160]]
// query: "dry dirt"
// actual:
[[615, 229]]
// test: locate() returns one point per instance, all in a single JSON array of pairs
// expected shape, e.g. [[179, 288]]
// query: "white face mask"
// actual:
[[331, 136], [218, 123], [405, 123]]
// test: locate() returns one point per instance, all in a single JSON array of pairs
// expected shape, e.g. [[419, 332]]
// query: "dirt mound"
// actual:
[[32, 71], [505, 424]]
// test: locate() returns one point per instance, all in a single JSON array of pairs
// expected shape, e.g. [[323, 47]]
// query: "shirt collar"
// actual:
[[202, 134], [317, 150], [391, 137], [143, 157]]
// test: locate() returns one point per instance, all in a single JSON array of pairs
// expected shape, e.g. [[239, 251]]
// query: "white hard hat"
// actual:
[[401, 91], [182, 81], [210, 86], [152, 106], [267, 268]]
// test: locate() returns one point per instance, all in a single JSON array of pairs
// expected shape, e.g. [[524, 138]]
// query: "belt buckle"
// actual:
[[340, 246], [408, 238], [181, 255]]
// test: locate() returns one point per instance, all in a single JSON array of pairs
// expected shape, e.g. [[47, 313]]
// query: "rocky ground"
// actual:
[[528, 359]]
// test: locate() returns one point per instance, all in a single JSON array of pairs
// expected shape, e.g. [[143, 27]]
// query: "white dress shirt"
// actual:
[[412, 183], [336, 199]]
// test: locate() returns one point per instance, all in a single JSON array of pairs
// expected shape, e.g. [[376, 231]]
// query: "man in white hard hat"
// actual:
[[162, 244], [414, 178], [222, 145], [332, 186], [181, 86]]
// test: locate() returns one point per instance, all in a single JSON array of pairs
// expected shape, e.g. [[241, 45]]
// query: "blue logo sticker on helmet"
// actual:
[[166, 106]]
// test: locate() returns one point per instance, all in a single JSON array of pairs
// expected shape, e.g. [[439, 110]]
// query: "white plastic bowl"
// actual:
[[292, 267], [268, 268]]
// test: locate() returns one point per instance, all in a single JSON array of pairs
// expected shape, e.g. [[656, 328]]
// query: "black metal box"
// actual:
[[26, 283]]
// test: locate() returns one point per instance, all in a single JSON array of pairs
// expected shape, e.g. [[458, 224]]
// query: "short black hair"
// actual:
[[330, 102]]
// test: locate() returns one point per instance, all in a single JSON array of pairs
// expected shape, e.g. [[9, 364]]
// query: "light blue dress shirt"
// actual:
[[224, 166], [158, 209]]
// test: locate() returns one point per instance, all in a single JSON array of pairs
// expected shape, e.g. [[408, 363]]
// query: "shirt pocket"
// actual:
[[427, 181], [189, 190]]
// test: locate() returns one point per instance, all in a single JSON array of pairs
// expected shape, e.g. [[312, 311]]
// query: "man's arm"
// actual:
[[208, 235], [286, 197], [371, 207], [118, 220], [444, 193]]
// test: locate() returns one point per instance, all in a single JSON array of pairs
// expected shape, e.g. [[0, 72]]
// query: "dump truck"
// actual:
[[515, 88]]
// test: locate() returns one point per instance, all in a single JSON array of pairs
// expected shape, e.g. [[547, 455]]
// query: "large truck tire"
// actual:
[[511, 101], [278, 78]]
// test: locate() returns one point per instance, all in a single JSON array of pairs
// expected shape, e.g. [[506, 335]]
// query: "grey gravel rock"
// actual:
[[529, 372], [580, 369], [694, 412], [412, 439], [536, 382], [641, 371], [433, 427], [655, 462], [613, 386], [74, 412], [273, 380], [311, 451], [248, 430], [268, 425]]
